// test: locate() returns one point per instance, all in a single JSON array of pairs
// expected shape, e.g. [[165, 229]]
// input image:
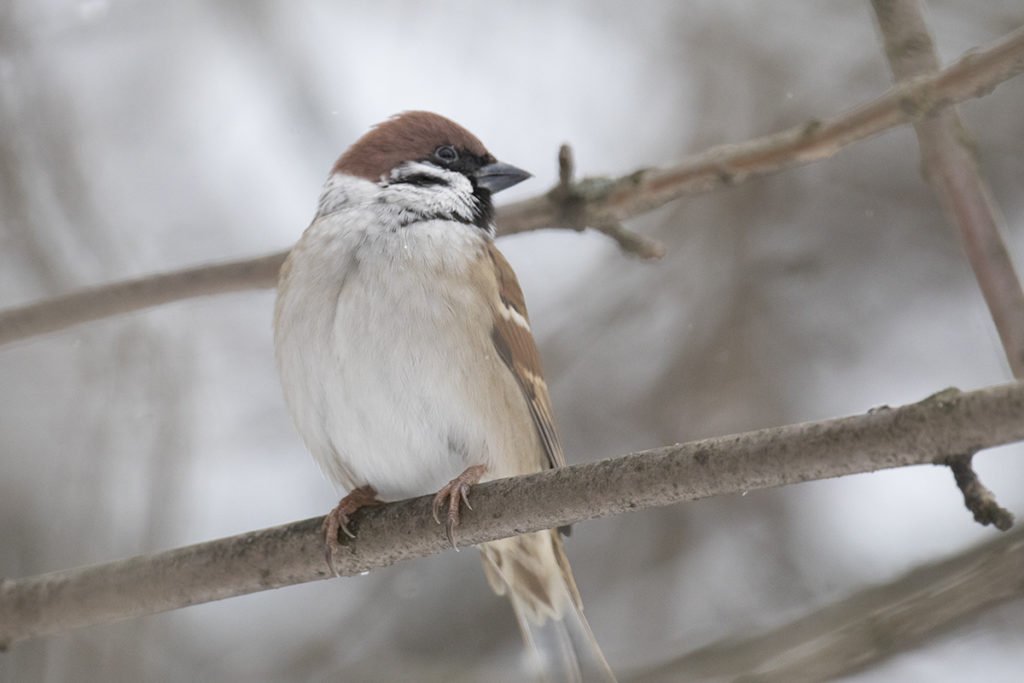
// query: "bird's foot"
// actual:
[[452, 495], [337, 520]]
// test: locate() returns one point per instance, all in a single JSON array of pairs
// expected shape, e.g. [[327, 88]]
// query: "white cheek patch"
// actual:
[[444, 194], [397, 201]]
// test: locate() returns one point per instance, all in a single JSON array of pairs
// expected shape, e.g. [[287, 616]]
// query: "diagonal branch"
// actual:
[[974, 75], [950, 166], [867, 627], [928, 432], [612, 199]]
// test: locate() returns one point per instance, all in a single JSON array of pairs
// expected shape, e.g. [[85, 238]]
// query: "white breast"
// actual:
[[386, 357]]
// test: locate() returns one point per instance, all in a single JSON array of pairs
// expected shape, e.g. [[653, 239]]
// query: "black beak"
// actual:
[[498, 176]]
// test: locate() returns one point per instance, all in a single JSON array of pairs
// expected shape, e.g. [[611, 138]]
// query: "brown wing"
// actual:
[[514, 343]]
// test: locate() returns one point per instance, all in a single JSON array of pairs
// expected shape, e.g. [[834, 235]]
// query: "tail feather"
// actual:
[[534, 572]]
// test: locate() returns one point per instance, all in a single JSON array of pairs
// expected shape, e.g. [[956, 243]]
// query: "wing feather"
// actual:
[[514, 343]]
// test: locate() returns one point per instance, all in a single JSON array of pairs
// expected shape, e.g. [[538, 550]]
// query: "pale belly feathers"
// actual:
[[387, 360]]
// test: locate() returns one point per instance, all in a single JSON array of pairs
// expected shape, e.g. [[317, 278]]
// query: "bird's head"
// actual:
[[431, 164]]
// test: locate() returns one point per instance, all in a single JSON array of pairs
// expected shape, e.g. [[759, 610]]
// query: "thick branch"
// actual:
[[950, 167], [931, 431], [606, 201], [867, 627]]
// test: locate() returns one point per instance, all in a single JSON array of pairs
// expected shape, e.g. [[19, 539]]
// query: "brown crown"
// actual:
[[407, 136]]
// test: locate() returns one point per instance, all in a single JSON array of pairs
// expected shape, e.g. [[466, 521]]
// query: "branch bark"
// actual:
[[105, 301], [977, 497], [867, 627], [950, 167], [928, 432], [601, 202]]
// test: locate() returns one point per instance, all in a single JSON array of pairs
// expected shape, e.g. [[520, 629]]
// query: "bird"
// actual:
[[408, 365]]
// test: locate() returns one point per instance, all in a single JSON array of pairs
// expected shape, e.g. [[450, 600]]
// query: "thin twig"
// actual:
[[566, 168], [926, 432], [577, 212], [978, 499], [132, 295], [629, 241], [950, 166], [973, 75], [867, 627]]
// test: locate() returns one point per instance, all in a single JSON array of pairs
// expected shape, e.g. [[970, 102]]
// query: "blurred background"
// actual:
[[145, 136]]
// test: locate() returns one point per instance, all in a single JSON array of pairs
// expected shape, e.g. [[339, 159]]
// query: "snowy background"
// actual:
[[145, 136]]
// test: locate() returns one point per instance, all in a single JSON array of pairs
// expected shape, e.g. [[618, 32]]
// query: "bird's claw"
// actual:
[[338, 519], [452, 495]]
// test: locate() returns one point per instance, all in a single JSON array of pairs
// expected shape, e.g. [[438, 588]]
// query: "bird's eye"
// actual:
[[446, 153]]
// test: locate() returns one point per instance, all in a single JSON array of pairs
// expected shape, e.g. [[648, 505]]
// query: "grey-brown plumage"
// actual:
[[405, 352]]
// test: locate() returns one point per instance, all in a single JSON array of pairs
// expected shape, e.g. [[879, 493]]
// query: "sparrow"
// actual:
[[405, 353]]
